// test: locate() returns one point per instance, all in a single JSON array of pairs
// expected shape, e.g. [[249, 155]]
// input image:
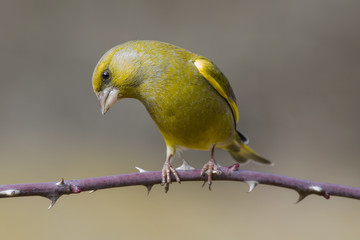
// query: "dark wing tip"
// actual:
[[244, 139]]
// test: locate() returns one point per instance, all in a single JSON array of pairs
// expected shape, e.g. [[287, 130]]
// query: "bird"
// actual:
[[187, 96]]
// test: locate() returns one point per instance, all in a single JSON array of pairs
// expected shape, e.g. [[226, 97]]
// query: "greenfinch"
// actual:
[[188, 97]]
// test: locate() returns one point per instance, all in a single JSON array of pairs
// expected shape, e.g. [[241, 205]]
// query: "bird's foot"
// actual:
[[210, 168], [166, 177]]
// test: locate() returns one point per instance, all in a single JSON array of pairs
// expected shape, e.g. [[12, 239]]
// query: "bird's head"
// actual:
[[114, 76]]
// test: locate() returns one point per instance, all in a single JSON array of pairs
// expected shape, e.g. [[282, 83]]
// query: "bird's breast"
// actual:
[[189, 113]]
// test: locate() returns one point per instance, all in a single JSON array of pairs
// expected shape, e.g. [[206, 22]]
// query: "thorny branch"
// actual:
[[54, 190]]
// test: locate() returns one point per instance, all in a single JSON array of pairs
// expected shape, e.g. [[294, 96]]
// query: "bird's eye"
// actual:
[[105, 76]]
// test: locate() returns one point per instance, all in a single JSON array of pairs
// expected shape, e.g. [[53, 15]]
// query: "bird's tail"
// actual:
[[242, 152]]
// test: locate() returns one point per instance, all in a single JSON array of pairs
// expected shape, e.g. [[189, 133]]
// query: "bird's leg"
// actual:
[[210, 168], [167, 168]]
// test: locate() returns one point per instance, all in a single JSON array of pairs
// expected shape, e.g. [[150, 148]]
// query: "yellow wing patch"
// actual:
[[218, 81]]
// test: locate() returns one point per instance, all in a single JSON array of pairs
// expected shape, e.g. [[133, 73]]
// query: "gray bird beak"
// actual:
[[107, 98]]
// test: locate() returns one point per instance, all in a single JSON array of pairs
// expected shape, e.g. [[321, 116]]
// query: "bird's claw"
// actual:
[[166, 175], [210, 168]]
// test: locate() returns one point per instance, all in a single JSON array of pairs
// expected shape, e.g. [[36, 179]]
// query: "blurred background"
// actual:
[[294, 66]]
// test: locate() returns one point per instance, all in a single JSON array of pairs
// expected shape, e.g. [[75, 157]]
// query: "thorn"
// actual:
[[53, 200], [149, 187], [317, 189], [141, 170], [302, 196], [61, 182], [185, 166], [92, 191], [252, 185]]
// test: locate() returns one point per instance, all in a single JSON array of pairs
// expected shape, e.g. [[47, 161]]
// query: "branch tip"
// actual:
[[10, 193]]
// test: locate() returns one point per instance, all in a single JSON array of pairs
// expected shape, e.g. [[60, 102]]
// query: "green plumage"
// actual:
[[187, 96]]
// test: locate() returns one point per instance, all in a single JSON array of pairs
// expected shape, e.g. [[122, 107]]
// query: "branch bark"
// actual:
[[54, 190]]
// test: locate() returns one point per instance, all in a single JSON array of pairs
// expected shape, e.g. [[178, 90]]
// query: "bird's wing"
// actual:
[[218, 81]]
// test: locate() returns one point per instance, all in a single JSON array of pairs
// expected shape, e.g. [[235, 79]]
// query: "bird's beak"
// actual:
[[107, 98]]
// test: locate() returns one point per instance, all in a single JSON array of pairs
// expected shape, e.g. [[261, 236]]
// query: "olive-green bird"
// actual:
[[188, 97]]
